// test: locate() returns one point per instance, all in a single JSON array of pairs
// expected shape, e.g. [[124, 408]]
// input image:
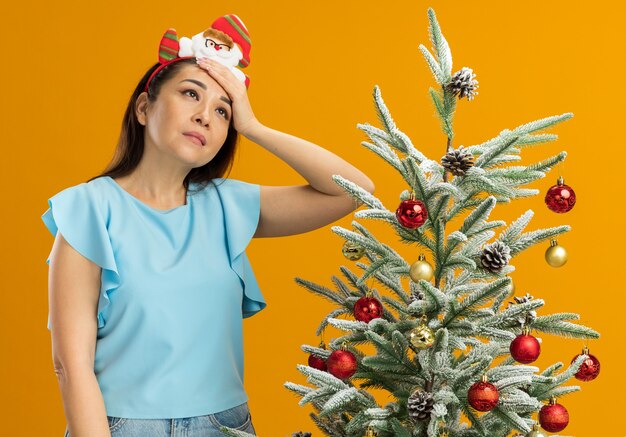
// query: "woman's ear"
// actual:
[[141, 106]]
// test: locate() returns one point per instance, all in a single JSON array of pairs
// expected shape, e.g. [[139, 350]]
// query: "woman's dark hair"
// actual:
[[130, 145]]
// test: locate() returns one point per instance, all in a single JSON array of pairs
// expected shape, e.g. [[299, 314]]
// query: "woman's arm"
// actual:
[[314, 163], [293, 209], [74, 288]]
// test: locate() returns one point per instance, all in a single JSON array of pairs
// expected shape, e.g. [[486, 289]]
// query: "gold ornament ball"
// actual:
[[421, 269], [370, 432], [556, 255], [352, 251], [536, 432], [422, 337]]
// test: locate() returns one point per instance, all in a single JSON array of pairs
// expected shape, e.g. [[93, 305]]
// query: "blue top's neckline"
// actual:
[[162, 211]]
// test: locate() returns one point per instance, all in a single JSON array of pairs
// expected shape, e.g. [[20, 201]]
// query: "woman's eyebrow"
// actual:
[[197, 82], [203, 86]]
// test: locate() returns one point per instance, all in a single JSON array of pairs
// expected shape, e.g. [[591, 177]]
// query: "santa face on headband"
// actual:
[[215, 45]]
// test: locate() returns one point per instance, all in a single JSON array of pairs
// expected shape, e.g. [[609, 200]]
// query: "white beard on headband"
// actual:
[[197, 46]]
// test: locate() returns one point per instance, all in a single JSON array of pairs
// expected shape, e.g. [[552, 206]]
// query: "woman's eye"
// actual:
[[224, 112], [191, 91]]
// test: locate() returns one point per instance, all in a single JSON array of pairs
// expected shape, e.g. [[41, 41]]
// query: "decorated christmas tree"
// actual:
[[455, 350]]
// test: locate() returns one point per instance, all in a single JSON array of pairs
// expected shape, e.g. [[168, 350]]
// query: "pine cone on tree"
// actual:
[[458, 161], [416, 296], [463, 84], [527, 317], [495, 256], [420, 404], [416, 293]]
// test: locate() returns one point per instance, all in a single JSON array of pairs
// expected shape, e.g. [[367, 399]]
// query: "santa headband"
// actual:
[[227, 41]]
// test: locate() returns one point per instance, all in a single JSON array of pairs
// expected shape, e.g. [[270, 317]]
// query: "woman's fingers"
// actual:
[[222, 75], [213, 66]]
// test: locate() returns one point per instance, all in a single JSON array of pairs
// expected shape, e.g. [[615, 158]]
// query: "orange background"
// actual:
[[70, 68]]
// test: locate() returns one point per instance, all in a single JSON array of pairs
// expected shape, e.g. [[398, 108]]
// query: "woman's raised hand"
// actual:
[[243, 117]]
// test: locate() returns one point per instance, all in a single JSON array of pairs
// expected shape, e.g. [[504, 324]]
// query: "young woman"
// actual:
[[148, 276]]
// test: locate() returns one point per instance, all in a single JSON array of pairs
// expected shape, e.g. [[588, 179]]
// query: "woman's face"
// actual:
[[189, 102]]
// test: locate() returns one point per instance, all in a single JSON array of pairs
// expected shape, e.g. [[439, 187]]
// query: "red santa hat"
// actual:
[[232, 26]]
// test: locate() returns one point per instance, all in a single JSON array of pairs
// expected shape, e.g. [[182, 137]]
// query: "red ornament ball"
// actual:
[[589, 369], [367, 308], [553, 417], [560, 197], [525, 348], [412, 213], [317, 362], [483, 396], [341, 364]]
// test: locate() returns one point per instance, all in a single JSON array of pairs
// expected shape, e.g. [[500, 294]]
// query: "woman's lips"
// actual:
[[194, 139]]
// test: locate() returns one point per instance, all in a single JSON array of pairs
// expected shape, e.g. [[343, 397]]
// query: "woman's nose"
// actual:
[[203, 117], [202, 120]]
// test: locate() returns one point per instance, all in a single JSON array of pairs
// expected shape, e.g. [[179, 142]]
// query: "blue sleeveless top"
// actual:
[[175, 287]]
